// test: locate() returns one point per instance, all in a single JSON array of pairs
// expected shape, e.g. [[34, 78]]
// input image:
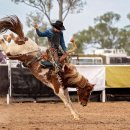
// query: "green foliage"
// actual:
[[109, 18], [31, 19], [105, 34]]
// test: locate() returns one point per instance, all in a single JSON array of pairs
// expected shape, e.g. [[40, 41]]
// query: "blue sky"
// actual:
[[74, 22]]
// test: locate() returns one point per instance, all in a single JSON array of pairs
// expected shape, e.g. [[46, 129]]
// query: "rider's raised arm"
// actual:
[[46, 33]]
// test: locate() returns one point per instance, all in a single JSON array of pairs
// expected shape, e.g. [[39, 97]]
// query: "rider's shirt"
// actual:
[[54, 38]]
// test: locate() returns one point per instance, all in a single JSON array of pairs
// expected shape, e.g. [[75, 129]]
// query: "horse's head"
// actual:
[[73, 79], [84, 93]]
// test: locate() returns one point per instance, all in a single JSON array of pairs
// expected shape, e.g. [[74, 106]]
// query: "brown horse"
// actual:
[[28, 52]]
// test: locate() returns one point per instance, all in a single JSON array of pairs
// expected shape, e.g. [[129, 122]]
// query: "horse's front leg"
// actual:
[[69, 100], [66, 92], [67, 103], [67, 95]]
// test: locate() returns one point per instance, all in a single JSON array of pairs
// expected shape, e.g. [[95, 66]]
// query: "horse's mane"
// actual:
[[13, 24], [75, 78]]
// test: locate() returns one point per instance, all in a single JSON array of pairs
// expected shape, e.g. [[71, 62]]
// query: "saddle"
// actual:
[[46, 64], [46, 61]]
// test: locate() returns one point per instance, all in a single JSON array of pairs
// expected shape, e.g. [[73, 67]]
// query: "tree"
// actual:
[[107, 34], [45, 6], [32, 18], [123, 40], [103, 33], [109, 18], [80, 39]]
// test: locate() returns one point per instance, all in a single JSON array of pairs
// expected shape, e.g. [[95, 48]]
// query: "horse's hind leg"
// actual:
[[67, 103]]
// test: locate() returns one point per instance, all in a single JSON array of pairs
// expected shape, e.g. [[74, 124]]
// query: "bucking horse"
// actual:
[[17, 46]]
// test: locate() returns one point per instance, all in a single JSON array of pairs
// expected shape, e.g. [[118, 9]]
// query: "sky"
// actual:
[[74, 22]]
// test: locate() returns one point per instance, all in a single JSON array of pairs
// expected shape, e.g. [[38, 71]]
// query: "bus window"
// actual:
[[87, 61]]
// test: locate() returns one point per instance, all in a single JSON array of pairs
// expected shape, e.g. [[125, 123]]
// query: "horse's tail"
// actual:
[[13, 24]]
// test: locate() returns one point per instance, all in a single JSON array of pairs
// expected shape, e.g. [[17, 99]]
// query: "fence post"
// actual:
[[103, 96], [9, 94]]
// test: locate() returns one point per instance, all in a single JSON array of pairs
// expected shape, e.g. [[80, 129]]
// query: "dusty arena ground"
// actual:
[[54, 116]]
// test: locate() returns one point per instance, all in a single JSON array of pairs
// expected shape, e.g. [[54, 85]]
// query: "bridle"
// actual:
[[80, 90]]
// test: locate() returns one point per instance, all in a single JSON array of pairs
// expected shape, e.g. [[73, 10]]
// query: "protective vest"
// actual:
[[55, 40]]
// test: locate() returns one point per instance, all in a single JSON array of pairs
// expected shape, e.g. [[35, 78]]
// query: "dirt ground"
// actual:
[[54, 116]]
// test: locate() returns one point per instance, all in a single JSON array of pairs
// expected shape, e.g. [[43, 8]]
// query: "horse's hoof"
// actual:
[[76, 118]]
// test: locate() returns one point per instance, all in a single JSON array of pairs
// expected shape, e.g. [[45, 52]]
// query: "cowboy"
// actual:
[[55, 40]]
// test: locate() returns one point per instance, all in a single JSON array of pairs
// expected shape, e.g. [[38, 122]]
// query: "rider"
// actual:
[[55, 39]]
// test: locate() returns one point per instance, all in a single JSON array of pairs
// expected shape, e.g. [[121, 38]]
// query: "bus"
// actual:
[[84, 60], [114, 56], [102, 56]]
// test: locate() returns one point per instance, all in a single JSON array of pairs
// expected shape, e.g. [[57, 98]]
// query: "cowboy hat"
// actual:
[[58, 25]]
